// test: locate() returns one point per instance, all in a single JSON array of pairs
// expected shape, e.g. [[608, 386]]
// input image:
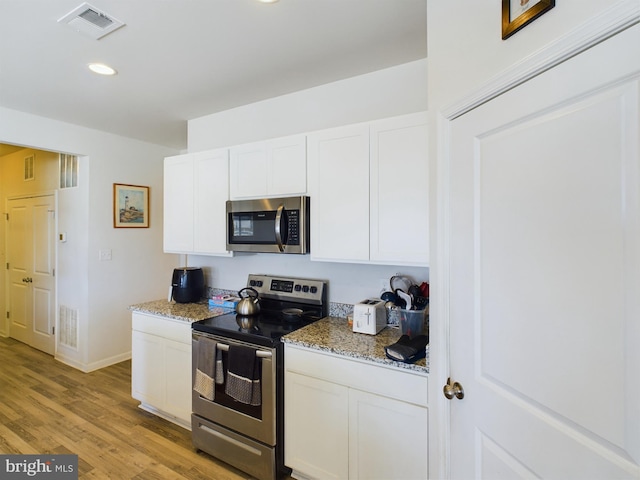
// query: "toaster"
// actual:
[[369, 316]]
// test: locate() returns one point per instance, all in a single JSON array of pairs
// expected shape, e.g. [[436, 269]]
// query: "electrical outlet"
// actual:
[[105, 254]]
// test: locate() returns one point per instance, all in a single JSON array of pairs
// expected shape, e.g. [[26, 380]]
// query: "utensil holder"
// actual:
[[413, 322]]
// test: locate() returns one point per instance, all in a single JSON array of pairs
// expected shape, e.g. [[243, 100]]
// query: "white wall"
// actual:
[[465, 46], [139, 271], [385, 93], [380, 94]]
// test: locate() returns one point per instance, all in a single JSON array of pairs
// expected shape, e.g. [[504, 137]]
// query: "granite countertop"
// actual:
[[334, 335], [331, 334], [187, 312]]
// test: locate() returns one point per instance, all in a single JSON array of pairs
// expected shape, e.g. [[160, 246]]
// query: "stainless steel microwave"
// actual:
[[270, 225]]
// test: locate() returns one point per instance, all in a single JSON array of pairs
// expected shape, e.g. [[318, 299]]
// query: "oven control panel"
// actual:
[[289, 288]]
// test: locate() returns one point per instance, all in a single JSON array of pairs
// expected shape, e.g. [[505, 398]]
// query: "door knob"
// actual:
[[454, 389]]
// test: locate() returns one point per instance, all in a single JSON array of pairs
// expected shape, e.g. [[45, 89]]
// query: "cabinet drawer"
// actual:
[[391, 382], [177, 330]]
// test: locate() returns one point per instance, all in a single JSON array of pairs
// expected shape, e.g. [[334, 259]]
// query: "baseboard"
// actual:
[[90, 367]]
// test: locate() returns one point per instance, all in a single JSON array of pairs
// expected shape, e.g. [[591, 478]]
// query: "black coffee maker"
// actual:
[[187, 284]]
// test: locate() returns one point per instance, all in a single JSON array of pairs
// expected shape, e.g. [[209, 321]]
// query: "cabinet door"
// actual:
[[316, 427], [178, 204], [400, 191], [248, 171], [339, 187], [387, 438], [147, 371], [177, 358], [287, 166], [211, 190]]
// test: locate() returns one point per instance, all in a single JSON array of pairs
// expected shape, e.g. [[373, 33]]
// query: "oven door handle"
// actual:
[[259, 353], [278, 227]]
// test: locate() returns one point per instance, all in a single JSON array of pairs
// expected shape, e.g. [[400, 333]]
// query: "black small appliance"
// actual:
[[187, 284]]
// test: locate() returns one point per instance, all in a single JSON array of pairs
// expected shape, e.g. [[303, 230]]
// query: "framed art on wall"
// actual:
[[518, 13], [130, 206]]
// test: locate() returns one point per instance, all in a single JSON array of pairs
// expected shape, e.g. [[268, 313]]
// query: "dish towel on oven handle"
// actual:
[[243, 375], [203, 381], [219, 368]]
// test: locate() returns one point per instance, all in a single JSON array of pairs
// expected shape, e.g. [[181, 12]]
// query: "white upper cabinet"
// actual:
[[196, 188], [400, 191], [178, 204], [369, 188], [271, 168], [339, 190]]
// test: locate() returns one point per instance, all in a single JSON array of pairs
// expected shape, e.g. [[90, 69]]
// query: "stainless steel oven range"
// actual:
[[239, 420]]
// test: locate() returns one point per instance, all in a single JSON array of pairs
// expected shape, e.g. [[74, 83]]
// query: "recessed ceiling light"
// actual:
[[267, 1], [102, 69]]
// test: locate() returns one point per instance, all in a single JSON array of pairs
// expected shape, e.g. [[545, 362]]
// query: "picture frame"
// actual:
[[516, 14], [130, 206]]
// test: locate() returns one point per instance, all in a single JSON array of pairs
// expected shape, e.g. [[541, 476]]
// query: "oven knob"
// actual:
[[314, 289], [305, 289], [297, 288], [252, 283]]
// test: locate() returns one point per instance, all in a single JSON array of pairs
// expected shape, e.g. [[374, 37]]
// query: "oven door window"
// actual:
[[256, 228]]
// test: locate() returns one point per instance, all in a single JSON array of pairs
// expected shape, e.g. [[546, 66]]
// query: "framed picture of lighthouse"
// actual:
[[130, 206]]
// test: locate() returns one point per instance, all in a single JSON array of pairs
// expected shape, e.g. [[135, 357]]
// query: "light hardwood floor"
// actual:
[[48, 407]]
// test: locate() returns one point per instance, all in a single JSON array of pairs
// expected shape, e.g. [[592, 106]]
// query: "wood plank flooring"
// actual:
[[48, 407]]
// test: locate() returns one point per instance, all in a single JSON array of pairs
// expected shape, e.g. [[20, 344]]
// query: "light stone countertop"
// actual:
[[187, 312], [334, 335], [331, 334]]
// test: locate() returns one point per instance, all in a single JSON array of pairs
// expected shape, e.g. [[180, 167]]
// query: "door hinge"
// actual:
[[8, 315], [7, 265], [53, 330], [6, 215], [53, 274]]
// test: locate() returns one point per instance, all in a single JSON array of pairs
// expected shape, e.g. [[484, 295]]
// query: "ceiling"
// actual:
[[182, 59]]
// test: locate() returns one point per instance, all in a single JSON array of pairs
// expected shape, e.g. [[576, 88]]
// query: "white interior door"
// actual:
[[31, 263], [544, 245]]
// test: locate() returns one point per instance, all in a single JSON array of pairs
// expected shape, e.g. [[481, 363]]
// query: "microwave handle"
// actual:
[[279, 213]]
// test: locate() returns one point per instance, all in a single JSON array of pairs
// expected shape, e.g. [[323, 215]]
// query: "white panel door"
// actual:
[[31, 259], [544, 252]]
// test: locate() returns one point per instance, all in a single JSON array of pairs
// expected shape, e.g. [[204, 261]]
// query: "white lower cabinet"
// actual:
[[348, 419], [161, 366]]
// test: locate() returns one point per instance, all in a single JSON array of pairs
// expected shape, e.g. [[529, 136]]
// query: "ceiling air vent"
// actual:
[[89, 20]]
